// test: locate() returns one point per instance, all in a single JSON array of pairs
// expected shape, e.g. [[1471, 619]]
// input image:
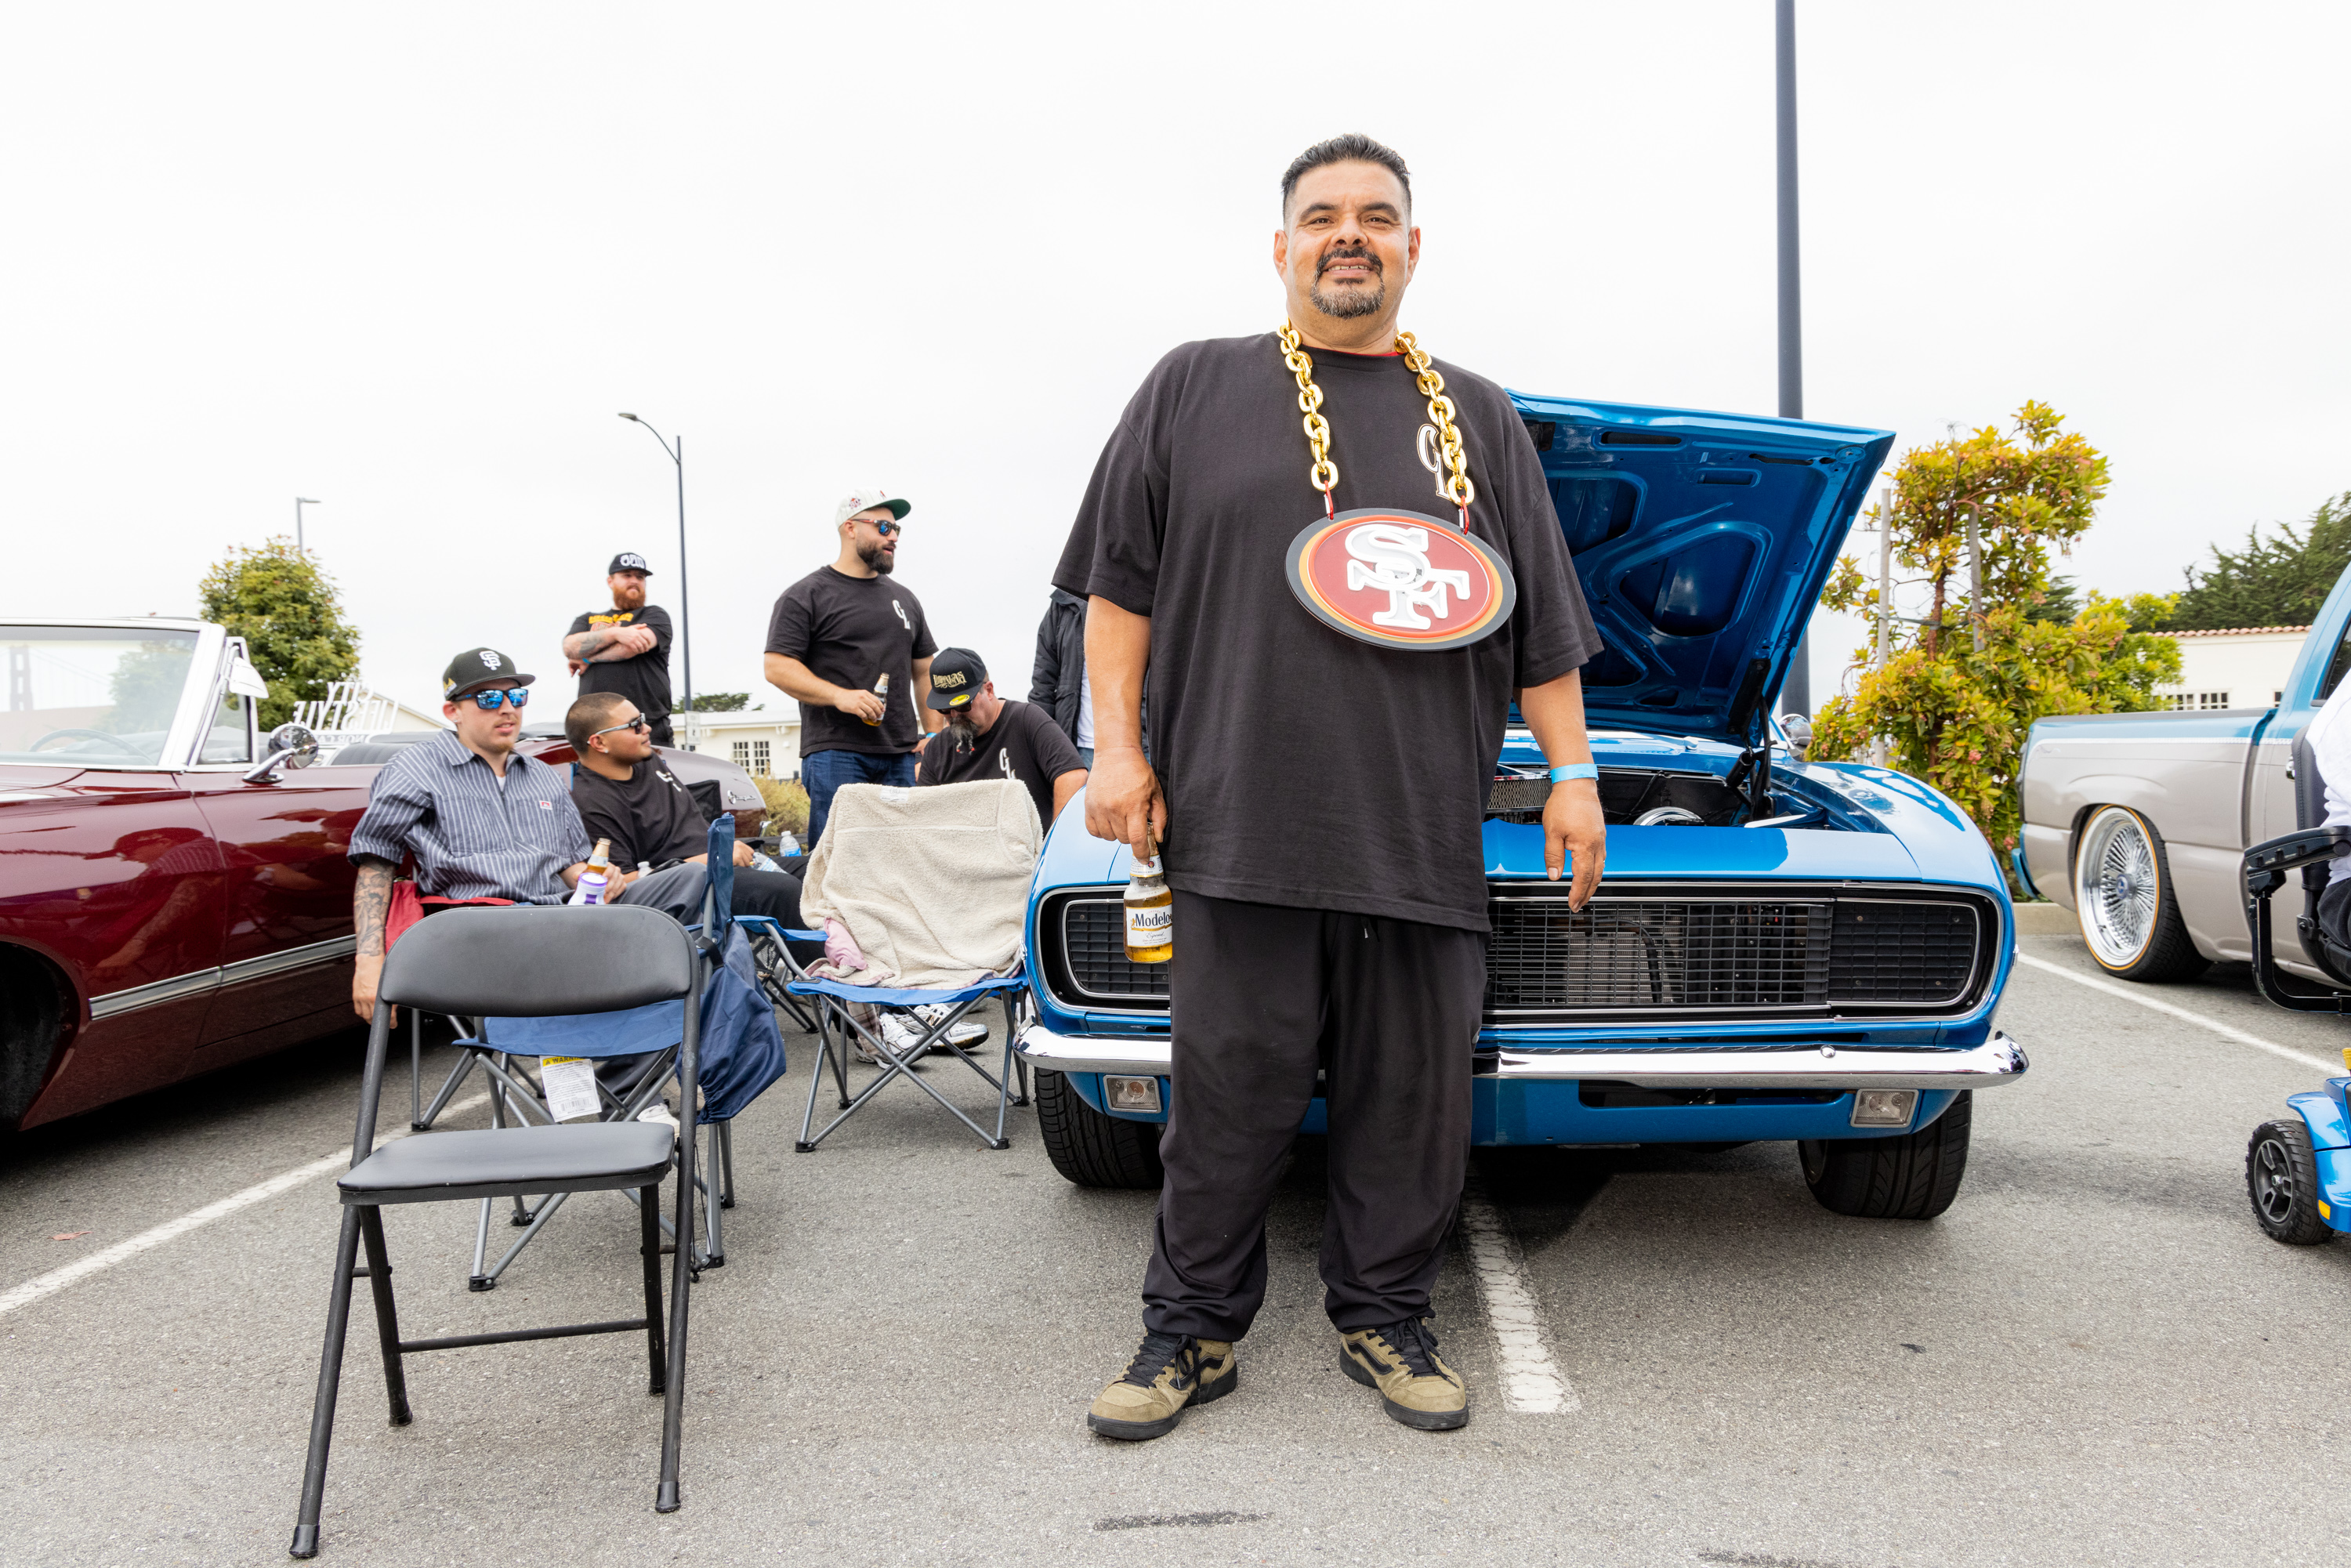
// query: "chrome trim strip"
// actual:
[[139, 997], [1998, 1060], [1041, 1047], [290, 959]]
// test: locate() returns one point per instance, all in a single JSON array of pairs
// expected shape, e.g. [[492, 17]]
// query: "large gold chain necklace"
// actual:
[[1397, 579], [1324, 475]]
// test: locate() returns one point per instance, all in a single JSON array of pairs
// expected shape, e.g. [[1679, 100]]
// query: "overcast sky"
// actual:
[[411, 261]]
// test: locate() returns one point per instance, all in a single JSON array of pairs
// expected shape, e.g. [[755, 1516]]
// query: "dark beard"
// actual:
[[875, 558], [1349, 306]]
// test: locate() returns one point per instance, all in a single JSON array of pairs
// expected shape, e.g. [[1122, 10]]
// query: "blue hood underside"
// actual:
[[1703, 541]]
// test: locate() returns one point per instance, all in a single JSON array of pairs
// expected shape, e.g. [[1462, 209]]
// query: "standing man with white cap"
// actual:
[[850, 644]]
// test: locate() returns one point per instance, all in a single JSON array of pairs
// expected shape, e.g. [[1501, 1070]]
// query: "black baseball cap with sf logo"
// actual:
[[476, 668], [957, 675]]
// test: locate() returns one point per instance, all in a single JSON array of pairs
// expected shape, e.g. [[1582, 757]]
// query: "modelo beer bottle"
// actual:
[[881, 690], [1150, 914]]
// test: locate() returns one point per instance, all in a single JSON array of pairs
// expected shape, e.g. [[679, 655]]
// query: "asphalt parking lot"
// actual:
[[2093, 1357]]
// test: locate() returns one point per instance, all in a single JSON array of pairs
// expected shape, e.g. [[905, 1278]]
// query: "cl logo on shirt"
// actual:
[[902, 614], [1400, 580]]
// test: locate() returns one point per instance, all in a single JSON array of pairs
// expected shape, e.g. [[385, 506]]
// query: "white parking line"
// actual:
[[2135, 994], [1531, 1382], [57, 1279]]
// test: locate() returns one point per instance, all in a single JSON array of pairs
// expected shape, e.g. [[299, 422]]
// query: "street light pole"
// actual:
[[676, 453], [300, 502], [1796, 693]]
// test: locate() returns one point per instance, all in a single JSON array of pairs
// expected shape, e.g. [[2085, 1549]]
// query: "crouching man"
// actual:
[[482, 822]]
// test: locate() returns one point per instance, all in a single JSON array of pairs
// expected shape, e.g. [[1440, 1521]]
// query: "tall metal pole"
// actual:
[[300, 502], [1796, 694], [684, 614]]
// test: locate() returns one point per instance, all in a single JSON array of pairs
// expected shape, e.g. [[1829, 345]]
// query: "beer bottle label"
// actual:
[[1150, 926]]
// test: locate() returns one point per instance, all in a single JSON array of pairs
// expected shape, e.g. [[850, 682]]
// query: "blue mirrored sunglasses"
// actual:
[[497, 697]]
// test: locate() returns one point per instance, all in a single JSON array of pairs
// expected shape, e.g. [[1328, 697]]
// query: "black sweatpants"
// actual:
[[1261, 996]]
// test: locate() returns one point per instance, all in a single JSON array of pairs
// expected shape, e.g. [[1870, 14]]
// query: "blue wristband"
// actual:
[[1576, 770]]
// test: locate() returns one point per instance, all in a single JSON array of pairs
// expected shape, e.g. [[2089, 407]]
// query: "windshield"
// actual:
[[88, 697]]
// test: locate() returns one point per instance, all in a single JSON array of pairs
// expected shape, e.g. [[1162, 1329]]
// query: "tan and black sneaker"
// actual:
[[1401, 1361], [1170, 1371]]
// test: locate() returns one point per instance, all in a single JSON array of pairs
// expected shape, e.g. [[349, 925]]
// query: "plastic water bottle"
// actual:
[[597, 877], [786, 845]]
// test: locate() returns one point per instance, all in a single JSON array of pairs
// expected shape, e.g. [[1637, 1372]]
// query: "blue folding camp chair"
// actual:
[[837, 1025]]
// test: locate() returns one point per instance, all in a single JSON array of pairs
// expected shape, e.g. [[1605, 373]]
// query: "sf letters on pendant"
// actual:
[[1389, 559]]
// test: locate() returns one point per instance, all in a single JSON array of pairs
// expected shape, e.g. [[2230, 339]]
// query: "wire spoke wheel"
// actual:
[[2122, 891]]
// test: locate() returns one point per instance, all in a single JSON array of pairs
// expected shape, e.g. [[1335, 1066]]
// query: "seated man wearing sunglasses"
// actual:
[[480, 822], [626, 793]]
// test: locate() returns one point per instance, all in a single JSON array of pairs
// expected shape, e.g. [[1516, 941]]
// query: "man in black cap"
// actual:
[[988, 736], [625, 649], [480, 820]]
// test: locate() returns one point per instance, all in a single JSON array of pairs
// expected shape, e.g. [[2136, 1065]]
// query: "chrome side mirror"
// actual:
[[290, 746]]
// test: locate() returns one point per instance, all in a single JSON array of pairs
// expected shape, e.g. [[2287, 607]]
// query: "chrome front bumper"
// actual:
[[1997, 1061]]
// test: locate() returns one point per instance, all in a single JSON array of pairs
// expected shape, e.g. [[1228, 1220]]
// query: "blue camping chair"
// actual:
[[837, 1025], [742, 1053]]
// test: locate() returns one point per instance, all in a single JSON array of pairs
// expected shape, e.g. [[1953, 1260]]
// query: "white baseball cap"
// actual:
[[866, 500]]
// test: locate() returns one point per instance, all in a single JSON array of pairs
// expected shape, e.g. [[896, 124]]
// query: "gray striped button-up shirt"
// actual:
[[472, 837]]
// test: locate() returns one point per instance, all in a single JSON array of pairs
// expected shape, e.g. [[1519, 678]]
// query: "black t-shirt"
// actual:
[[1024, 743], [649, 816], [852, 630], [643, 679], [1303, 768]]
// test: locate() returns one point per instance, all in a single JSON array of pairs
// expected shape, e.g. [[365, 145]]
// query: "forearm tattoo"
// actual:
[[371, 901]]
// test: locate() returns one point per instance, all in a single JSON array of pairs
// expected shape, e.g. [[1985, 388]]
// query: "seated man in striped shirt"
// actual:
[[481, 822]]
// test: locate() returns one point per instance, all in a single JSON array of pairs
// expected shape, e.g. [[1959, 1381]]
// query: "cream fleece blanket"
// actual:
[[932, 883]]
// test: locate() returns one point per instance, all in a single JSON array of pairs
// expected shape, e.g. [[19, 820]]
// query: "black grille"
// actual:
[[1618, 954], [1892, 953], [1095, 932], [1626, 954]]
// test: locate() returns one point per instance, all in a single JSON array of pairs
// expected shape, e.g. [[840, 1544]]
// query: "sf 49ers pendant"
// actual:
[[1400, 580]]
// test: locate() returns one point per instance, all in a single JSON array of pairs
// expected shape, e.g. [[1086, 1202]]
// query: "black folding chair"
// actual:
[[2312, 849], [520, 963]]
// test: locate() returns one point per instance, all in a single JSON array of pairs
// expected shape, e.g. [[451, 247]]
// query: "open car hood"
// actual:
[[1703, 541]]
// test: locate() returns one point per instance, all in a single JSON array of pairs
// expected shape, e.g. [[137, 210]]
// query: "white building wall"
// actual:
[[738, 737], [2234, 669]]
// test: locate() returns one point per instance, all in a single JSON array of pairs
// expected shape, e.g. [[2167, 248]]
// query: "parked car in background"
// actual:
[[1780, 949], [2138, 821], [174, 892]]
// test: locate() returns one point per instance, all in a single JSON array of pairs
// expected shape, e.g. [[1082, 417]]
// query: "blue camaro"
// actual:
[[1780, 949]]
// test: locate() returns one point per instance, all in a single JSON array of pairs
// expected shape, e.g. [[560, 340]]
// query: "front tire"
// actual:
[[2124, 898], [1093, 1149], [2282, 1179], [1913, 1176]]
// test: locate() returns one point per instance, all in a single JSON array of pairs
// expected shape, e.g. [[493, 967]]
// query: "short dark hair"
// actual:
[[1352, 148], [591, 713]]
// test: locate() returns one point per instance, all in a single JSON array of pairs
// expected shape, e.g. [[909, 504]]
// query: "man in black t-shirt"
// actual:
[[625, 649], [1319, 792], [626, 792], [988, 736], [836, 635]]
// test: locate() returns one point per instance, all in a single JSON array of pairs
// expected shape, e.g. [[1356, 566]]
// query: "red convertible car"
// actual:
[[174, 895]]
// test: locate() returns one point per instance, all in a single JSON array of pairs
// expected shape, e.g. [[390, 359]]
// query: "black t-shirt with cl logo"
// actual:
[[852, 630], [648, 816], [1024, 743]]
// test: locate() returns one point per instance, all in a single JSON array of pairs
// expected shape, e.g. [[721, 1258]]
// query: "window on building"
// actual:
[[2193, 700], [753, 757]]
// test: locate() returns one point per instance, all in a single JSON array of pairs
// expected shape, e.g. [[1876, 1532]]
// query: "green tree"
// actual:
[[1964, 683], [720, 702], [291, 618], [2277, 581]]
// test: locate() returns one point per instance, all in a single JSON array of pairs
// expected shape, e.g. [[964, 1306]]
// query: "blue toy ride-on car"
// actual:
[[2298, 1169]]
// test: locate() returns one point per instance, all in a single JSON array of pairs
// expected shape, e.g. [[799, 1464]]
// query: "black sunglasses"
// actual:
[[637, 724]]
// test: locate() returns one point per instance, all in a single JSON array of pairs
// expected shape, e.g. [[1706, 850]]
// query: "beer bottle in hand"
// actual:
[[881, 690], [1150, 914], [598, 878]]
